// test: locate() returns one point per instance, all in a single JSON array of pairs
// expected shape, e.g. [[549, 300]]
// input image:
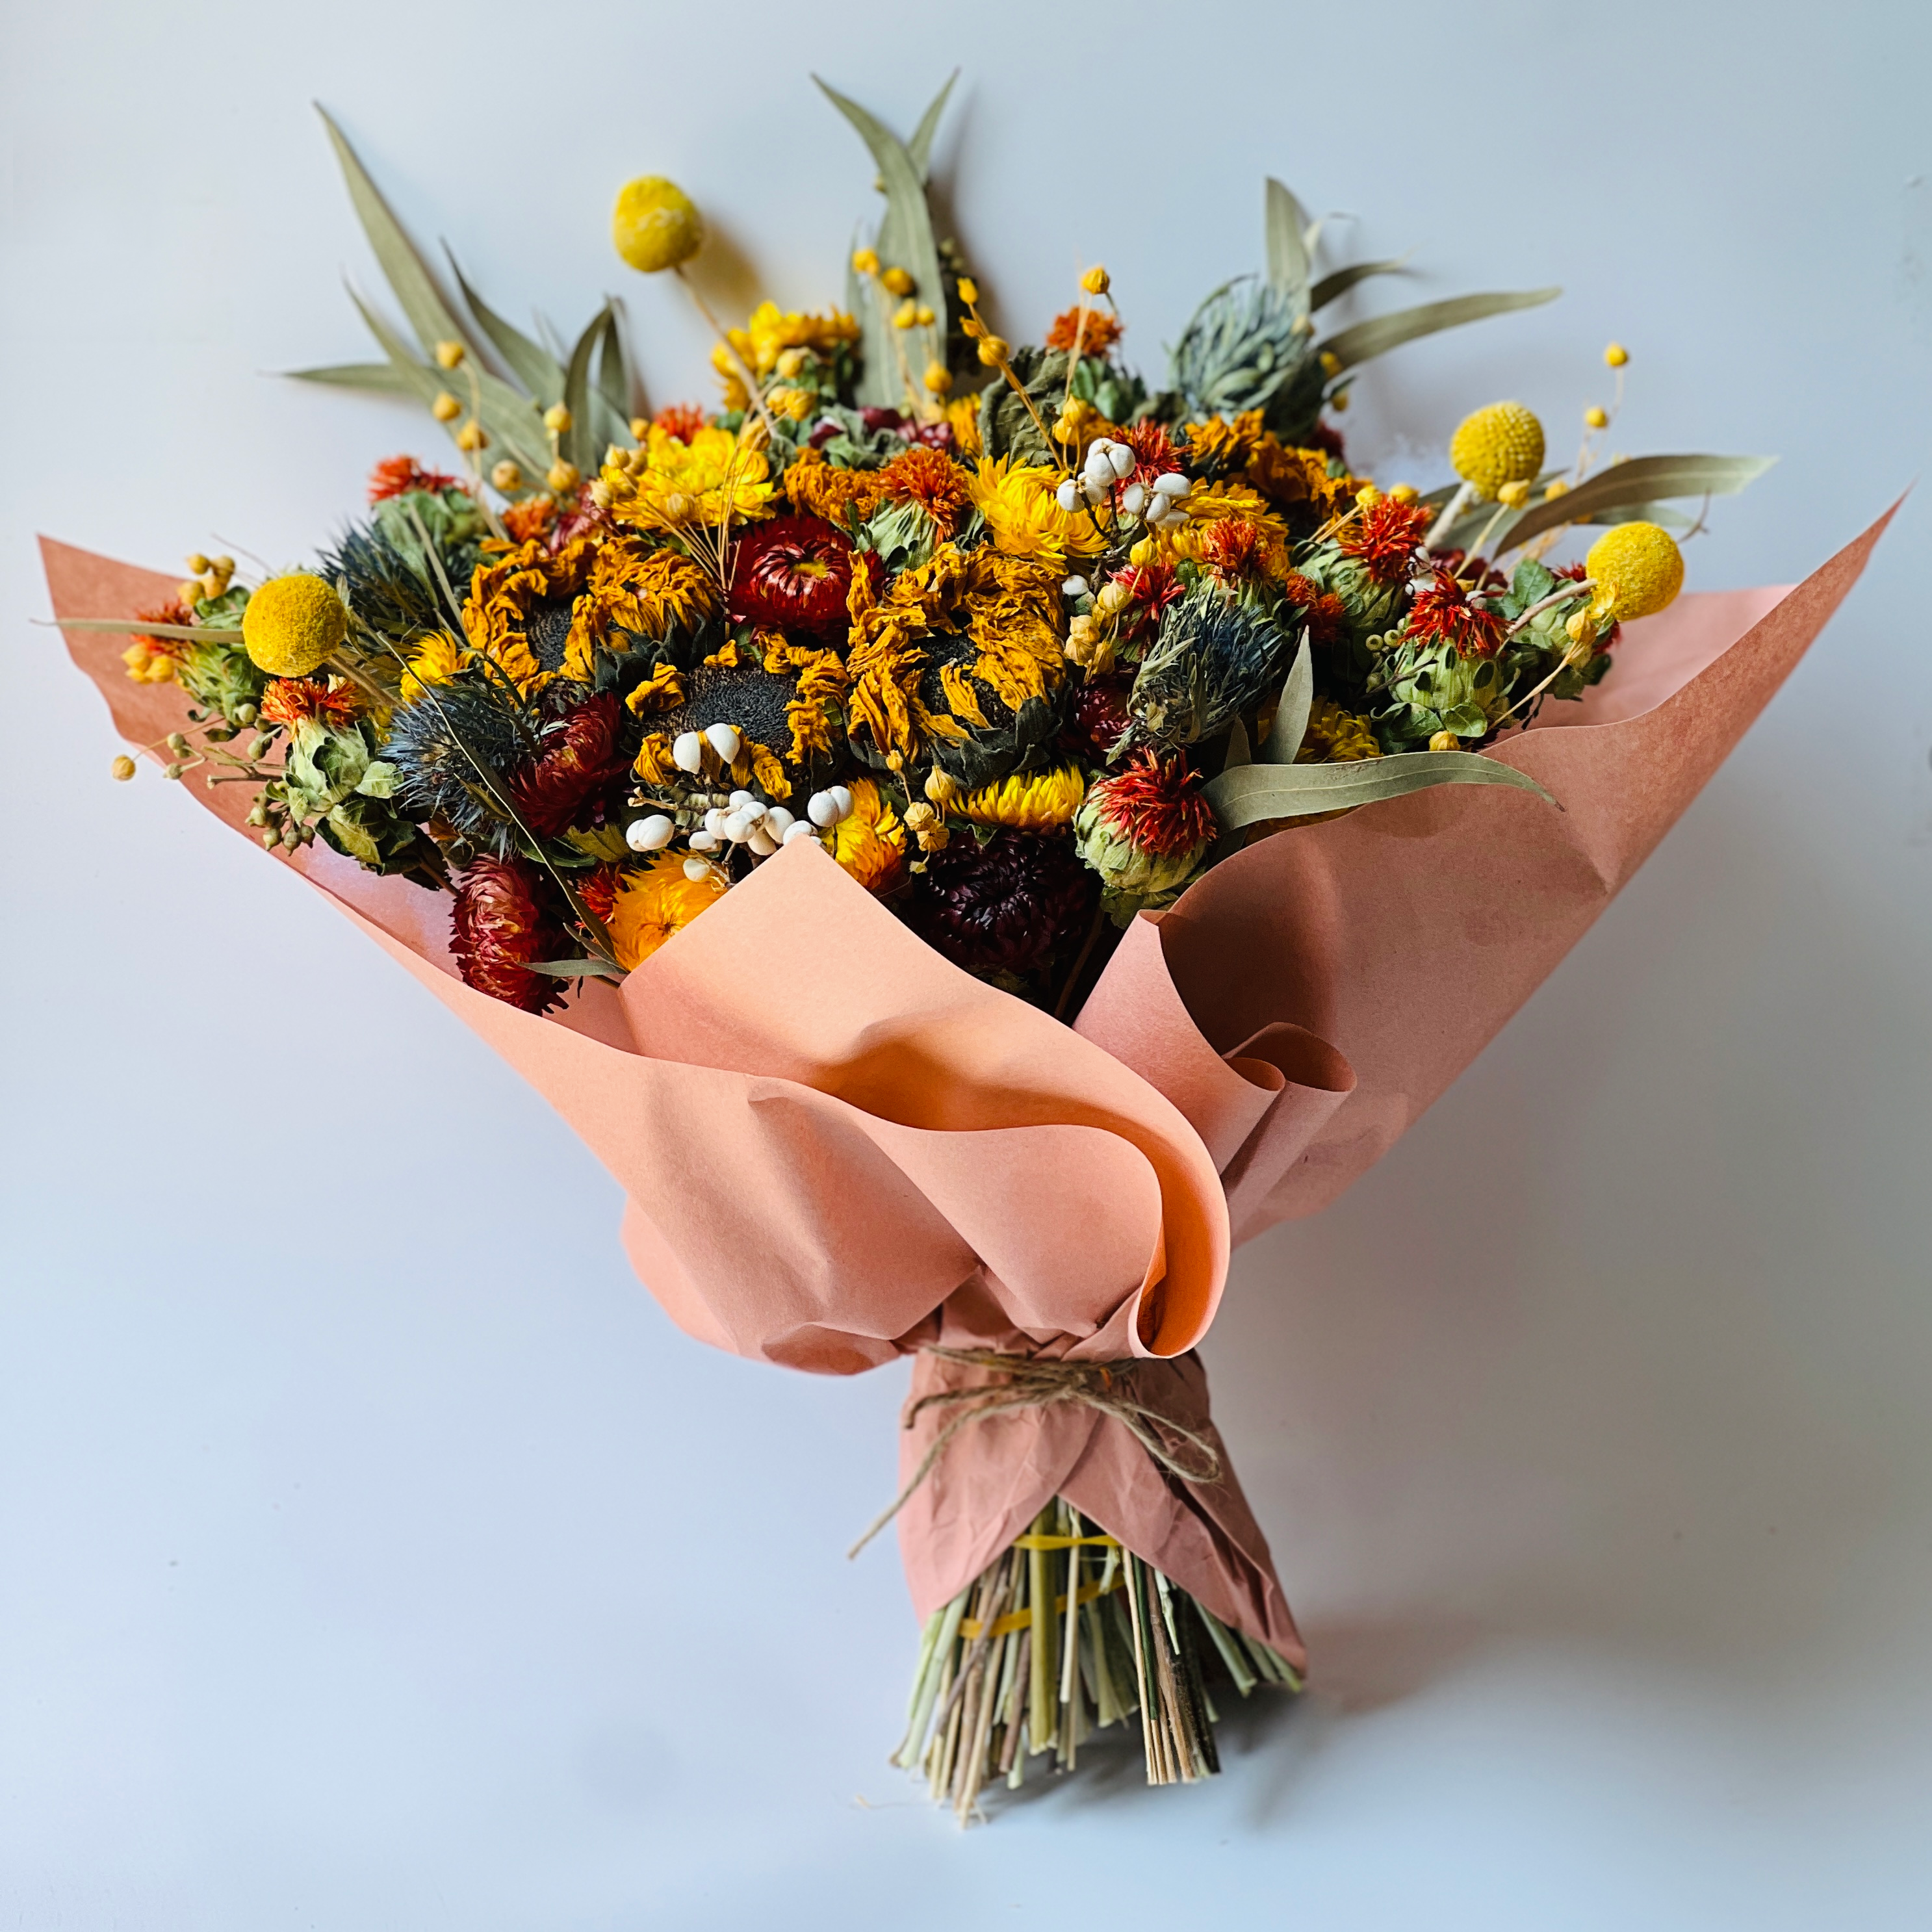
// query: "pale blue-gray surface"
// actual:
[[373, 1554]]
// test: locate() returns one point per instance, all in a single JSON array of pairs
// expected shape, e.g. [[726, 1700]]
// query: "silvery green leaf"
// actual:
[[1253, 793], [378, 781], [382, 378], [1380, 333], [1290, 718], [1331, 287], [1643, 479], [415, 290], [578, 969], [920, 146], [1239, 751], [530, 362], [613, 375], [581, 444], [1284, 221], [905, 241]]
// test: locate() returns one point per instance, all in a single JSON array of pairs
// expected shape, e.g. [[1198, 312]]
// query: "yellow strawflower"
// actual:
[[1023, 516], [292, 623], [656, 901], [711, 478], [870, 842], [1500, 444], [1638, 570], [1029, 801], [655, 225]]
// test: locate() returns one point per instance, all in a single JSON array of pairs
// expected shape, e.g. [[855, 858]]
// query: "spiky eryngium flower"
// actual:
[[1243, 350], [501, 924], [1006, 905], [1215, 655], [437, 744]]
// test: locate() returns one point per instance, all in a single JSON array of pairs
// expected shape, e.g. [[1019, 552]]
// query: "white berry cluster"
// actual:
[[1108, 465], [740, 819]]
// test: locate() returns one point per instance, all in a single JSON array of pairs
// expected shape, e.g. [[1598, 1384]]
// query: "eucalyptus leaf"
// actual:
[[613, 374], [381, 379], [1331, 287], [920, 146], [578, 969], [1364, 340], [580, 444], [1284, 221], [1643, 479], [1290, 718], [415, 290], [1239, 751], [1251, 793], [905, 241], [530, 362]]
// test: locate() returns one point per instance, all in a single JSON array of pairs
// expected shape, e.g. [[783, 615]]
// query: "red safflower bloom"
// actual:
[[395, 474], [172, 612], [1154, 451], [1232, 547], [681, 420], [1320, 611], [1102, 331], [598, 891], [792, 574], [1154, 803], [1384, 538], [1443, 614], [288, 700], [578, 759], [930, 479], [1150, 589], [501, 923]]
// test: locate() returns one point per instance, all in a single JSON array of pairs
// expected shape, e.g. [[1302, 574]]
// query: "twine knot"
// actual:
[[1031, 1382]]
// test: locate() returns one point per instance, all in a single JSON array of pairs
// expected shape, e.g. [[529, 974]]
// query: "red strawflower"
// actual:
[[579, 756], [172, 612], [288, 700], [1102, 331], [1154, 803], [792, 574], [500, 924], [681, 420], [395, 474], [1384, 538], [1443, 614], [1321, 611]]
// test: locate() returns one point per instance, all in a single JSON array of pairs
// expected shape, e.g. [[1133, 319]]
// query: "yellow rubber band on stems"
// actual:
[[970, 1628]]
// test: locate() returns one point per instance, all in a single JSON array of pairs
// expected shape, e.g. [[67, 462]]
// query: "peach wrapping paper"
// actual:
[[836, 1147]]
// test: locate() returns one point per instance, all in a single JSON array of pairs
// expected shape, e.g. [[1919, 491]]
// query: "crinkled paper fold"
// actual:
[[835, 1146]]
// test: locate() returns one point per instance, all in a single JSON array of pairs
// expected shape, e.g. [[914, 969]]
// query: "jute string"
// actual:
[[1031, 1383]]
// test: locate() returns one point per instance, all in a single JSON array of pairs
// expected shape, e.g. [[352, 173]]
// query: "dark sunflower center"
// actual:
[[547, 630]]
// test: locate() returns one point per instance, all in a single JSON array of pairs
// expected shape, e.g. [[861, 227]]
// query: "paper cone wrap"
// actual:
[[836, 1147]]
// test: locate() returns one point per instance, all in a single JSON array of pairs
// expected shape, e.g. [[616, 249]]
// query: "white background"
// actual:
[[373, 1554]]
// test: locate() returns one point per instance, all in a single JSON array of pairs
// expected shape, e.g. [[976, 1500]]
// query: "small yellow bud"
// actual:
[[1556, 487], [562, 476], [1445, 741], [1596, 418], [449, 354], [223, 566], [1405, 493], [1144, 553], [1111, 597], [191, 592], [678, 508], [923, 315], [123, 768], [1577, 623], [938, 378], [969, 291], [1339, 401], [197, 564], [505, 476], [470, 437], [994, 350], [897, 282], [655, 225], [600, 494], [1096, 281], [445, 408], [1367, 496], [793, 404], [640, 427], [1616, 355], [791, 362], [920, 816], [1513, 495], [866, 261], [557, 419], [973, 331], [905, 315], [1331, 364]]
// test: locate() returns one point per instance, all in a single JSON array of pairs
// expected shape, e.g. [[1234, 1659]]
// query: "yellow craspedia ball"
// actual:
[[292, 623], [1502, 444], [655, 225], [1638, 570]]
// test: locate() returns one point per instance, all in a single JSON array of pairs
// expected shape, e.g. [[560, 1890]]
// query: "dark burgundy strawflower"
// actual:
[[500, 924], [792, 574], [1443, 614], [580, 756], [1008, 904], [1154, 803], [1096, 718]]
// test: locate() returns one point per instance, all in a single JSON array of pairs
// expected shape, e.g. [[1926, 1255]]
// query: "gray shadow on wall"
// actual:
[[1625, 1346]]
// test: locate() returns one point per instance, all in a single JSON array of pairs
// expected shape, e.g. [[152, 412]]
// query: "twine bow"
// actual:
[[1033, 1383]]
